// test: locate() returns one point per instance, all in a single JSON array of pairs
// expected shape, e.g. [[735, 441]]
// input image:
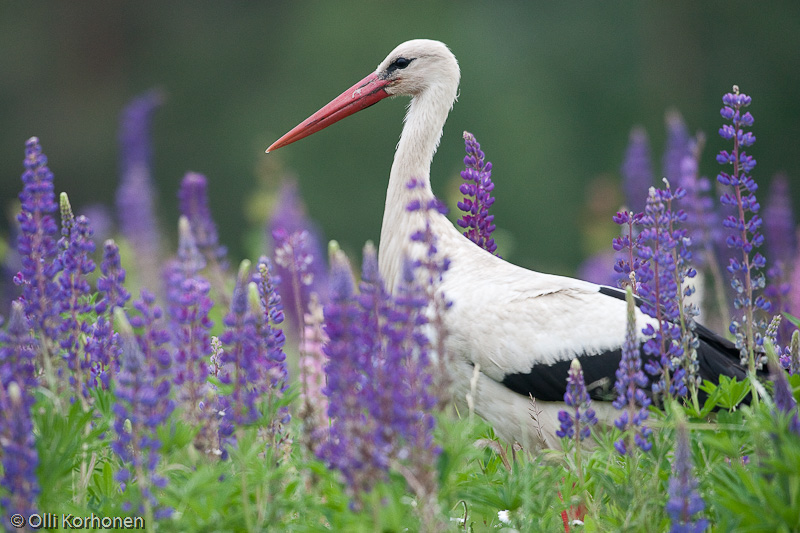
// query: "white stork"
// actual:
[[520, 329]]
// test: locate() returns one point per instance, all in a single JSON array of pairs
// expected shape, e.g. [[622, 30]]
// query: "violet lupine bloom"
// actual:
[[684, 502], [193, 201], [745, 233], [782, 395], [253, 359], [626, 249], [677, 146], [76, 245], [139, 410], [350, 447], [17, 442], [631, 381], [240, 356], [779, 233], [637, 170], [36, 244], [578, 422], [477, 189], [665, 266], [273, 367], [136, 193], [299, 255], [314, 403], [188, 309], [701, 219], [102, 345]]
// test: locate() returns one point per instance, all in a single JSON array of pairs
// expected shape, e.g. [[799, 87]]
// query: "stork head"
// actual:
[[414, 68]]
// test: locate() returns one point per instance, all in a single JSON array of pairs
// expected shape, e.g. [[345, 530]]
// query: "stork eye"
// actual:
[[398, 64]]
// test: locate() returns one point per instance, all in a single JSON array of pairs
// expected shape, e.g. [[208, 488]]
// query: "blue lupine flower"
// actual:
[[637, 170], [102, 345], [299, 255], [188, 309], [193, 201], [677, 146], [36, 244], [140, 408], [136, 193], [745, 233], [576, 423], [631, 380], [779, 233], [76, 245], [379, 377], [684, 501], [784, 400], [477, 189]]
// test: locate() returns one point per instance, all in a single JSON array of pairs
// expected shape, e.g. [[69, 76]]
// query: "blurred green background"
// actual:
[[550, 89]]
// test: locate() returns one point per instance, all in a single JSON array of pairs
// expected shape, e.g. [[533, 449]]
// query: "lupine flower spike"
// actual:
[[17, 441], [139, 411], [136, 193], [37, 248], [578, 422], [637, 170], [76, 246], [745, 228], [477, 190], [631, 381], [684, 502]]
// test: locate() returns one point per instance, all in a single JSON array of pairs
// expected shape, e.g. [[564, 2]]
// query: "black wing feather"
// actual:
[[716, 356]]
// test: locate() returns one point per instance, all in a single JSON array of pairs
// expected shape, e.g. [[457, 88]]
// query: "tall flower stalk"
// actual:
[[744, 226], [38, 250], [631, 399], [17, 442], [684, 504], [477, 189]]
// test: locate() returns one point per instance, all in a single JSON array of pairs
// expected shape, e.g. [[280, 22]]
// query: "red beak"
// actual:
[[363, 94]]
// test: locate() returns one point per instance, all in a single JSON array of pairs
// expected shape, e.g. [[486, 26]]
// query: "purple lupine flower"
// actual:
[[153, 340], [671, 346], [626, 249], [313, 402], [17, 442], [273, 367], [577, 423], [637, 170], [136, 193], [193, 201], [140, 409], [37, 246], [299, 255], [349, 447], [188, 309], [379, 378], [631, 397], [253, 359], [76, 245], [240, 355], [782, 395], [102, 345], [677, 146], [779, 233], [684, 502], [779, 224], [477, 191], [745, 233], [701, 220]]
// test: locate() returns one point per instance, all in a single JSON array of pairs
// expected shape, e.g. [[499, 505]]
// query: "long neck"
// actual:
[[420, 138]]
